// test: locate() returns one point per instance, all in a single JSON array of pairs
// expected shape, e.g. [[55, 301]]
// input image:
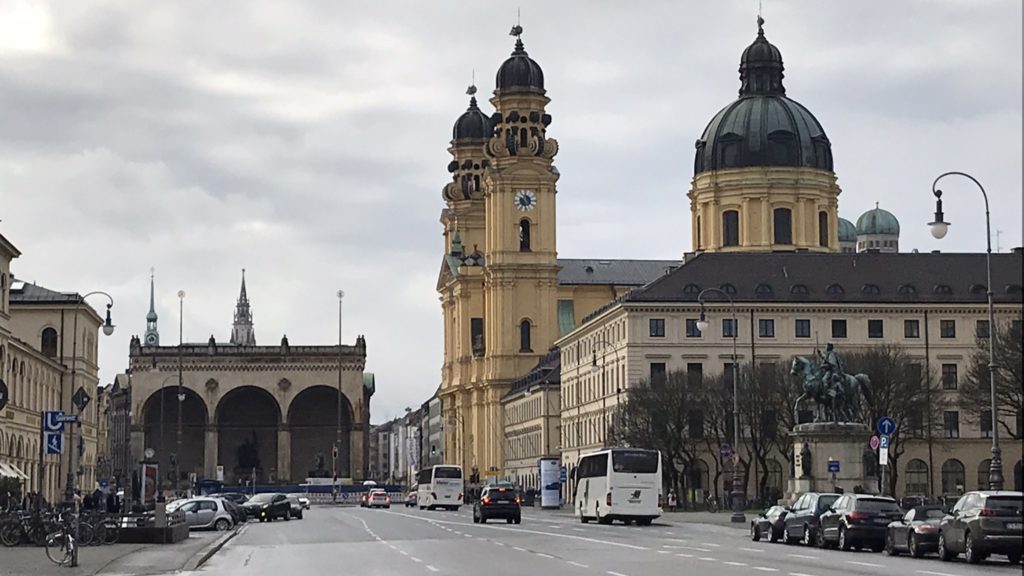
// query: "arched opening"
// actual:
[[783, 220], [524, 235], [160, 428], [775, 484], [524, 337], [48, 342], [698, 233], [917, 478], [248, 419], [730, 228], [313, 421], [822, 228], [952, 477], [983, 467]]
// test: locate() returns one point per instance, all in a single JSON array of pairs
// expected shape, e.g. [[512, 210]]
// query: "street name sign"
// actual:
[[833, 466]]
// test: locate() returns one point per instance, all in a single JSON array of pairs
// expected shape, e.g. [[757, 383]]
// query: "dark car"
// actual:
[[236, 497], [983, 523], [269, 506], [498, 502], [410, 500], [801, 522], [858, 520], [238, 514], [293, 500], [769, 524], [917, 532]]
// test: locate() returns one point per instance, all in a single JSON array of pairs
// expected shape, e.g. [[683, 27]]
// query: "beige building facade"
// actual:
[[532, 422], [48, 349]]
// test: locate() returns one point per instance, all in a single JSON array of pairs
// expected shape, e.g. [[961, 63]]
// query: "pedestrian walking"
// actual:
[[672, 500]]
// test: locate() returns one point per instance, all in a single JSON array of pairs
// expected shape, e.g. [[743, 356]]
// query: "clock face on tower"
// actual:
[[151, 339], [525, 200]]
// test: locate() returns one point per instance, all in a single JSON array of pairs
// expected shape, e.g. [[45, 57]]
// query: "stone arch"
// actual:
[[248, 420], [162, 434], [953, 479], [313, 423], [20, 455]]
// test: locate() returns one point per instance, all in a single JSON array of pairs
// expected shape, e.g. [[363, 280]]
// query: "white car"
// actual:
[[303, 501], [378, 498], [205, 513]]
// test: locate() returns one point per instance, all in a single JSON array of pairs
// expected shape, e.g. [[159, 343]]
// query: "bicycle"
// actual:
[[711, 504], [60, 546]]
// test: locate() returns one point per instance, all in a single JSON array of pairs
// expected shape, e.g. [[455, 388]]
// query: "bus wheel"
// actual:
[[644, 521]]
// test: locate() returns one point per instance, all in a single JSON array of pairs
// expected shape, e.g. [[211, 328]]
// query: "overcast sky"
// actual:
[[306, 142]]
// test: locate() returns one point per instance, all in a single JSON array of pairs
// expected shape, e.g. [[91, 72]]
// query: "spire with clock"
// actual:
[[152, 336]]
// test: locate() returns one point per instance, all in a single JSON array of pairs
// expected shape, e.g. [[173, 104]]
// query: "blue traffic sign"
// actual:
[[104, 483], [883, 441], [833, 466], [54, 443], [563, 475], [725, 451], [886, 426], [52, 421]]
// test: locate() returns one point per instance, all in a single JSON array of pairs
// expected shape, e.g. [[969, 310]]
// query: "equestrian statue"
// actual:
[[838, 396]]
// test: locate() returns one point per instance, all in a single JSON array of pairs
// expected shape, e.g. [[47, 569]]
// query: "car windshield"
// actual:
[[881, 505], [635, 461], [826, 500], [1006, 504], [262, 498]]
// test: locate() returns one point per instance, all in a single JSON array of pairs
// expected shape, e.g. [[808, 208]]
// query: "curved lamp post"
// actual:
[[595, 368], [702, 325], [181, 391], [939, 229], [336, 453]]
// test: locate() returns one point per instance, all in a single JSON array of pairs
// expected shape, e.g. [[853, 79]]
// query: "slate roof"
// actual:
[[863, 278], [24, 293], [574, 271], [548, 371]]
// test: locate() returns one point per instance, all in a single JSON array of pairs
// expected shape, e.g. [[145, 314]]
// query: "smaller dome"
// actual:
[[847, 231], [151, 316], [878, 221], [473, 124], [761, 66], [520, 72]]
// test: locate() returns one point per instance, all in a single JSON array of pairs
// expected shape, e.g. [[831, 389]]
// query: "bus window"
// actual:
[[635, 461], [447, 472]]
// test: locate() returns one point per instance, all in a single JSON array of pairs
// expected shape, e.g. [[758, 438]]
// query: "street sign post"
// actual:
[[883, 449], [886, 426], [833, 466], [725, 451], [81, 398], [54, 443]]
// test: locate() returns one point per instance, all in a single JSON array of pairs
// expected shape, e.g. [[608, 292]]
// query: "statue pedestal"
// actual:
[[844, 442]]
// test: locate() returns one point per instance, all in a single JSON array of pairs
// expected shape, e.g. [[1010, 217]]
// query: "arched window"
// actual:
[[823, 228], [524, 336], [730, 228], [691, 289], [871, 289], [942, 289], [917, 478], [775, 479], [983, 467], [522, 137], [728, 289], [48, 343], [834, 290], [800, 289], [952, 477], [907, 290], [524, 235], [783, 226]]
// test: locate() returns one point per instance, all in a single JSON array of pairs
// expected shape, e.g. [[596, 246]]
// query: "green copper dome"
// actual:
[[847, 231], [878, 221]]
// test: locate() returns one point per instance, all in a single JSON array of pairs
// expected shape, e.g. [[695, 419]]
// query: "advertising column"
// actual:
[[549, 482]]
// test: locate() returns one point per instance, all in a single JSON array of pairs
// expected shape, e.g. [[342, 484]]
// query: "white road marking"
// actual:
[[578, 565], [415, 559], [934, 573], [805, 556], [758, 550], [610, 573], [499, 543], [710, 544], [696, 548], [469, 535], [431, 568], [765, 569], [735, 563], [664, 551], [403, 552], [543, 555], [868, 564], [517, 548], [707, 558], [802, 574], [685, 555], [579, 530]]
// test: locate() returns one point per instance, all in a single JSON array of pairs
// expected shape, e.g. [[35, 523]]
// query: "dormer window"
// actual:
[[870, 289], [763, 290], [728, 289], [942, 289], [835, 290], [691, 289], [799, 289], [978, 289], [906, 290]]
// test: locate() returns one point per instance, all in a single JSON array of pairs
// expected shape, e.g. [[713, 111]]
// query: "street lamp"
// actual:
[[163, 446], [181, 391], [336, 453], [939, 229], [108, 329], [594, 368], [702, 325]]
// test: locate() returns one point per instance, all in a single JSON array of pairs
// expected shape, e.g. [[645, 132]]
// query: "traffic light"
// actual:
[[433, 450]]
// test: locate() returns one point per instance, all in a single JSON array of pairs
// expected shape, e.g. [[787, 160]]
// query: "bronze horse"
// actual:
[[838, 401]]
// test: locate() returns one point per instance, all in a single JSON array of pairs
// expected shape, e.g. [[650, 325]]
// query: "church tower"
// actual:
[[152, 336], [521, 271], [763, 178], [242, 333]]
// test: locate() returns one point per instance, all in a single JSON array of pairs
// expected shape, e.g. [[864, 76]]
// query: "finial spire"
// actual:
[[517, 31], [152, 335], [242, 333], [760, 24], [876, 205]]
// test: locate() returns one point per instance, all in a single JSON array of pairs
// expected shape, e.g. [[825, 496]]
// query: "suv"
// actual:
[[855, 520], [268, 506], [802, 518], [500, 501], [982, 523]]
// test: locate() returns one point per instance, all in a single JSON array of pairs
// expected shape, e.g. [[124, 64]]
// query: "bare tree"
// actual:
[[975, 393], [715, 404], [767, 396]]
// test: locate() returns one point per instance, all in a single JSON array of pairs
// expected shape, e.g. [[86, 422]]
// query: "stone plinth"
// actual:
[[844, 442]]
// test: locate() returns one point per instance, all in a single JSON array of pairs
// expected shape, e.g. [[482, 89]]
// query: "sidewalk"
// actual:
[[135, 559]]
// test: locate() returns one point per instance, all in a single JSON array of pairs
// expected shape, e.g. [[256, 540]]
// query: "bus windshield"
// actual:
[[447, 472], [635, 461]]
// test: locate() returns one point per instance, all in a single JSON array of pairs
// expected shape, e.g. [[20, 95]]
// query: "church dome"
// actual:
[[847, 231], [473, 124], [878, 221], [519, 72], [762, 127]]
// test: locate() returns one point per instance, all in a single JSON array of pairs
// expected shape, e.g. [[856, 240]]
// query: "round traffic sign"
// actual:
[[874, 442]]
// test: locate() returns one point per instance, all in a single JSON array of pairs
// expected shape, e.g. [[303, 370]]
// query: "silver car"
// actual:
[[207, 513]]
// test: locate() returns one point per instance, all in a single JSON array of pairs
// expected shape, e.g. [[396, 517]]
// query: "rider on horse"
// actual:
[[832, 370]]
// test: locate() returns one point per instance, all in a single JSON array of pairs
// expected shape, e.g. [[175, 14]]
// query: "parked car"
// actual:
[[378, 498], [236, 497], [268, 506], [410, 500], [297, 509], [238, 513], [303, 501], [982, 523], [500, 501], [769, 524], [917, 532], [802, 517], [207, 513], [858, 520]]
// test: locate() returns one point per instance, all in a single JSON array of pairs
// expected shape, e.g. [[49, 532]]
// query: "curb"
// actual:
[[206, 553]]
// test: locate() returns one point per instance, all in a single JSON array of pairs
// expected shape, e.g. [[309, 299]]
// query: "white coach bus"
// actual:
[[619, 484], [440, 486]]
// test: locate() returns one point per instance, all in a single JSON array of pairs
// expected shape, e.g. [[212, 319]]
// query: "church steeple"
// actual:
[[242, 333], [152, 336]]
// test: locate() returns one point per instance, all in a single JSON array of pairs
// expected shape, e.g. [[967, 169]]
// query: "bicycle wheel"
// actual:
[[10, 534], [111, 532], [59, 549], [99, 527], [86, 534]]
